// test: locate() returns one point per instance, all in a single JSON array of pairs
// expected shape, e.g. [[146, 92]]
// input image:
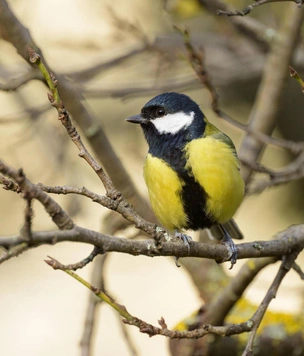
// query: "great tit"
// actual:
[[192, 170]]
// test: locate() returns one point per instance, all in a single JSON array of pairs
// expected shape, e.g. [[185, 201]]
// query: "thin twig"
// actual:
[[257, 3], [64, 117], [97, 280], [151, 330], [9, 184], [249, 326], [294, 74], [221, 304], [292, 171], [29, 113], [15, 83], [298, 270], [26, 229], [74, 266], [285, 267], [197, 61], [58, 215]]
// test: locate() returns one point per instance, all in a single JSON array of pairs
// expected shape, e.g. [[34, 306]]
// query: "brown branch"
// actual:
[[197, 61], [32, 113], [26, 229], [298, 270], [254, 30], [74, 266], [269, 97], [257, 3], [285, 267], [221, 304], [227, 330], [58, 215], [111, 224], [86, 74], [15, 83], [97, 280], [118, 204], [284, 243], [19, 36], [291, 172], [163, 330], [9, 184]]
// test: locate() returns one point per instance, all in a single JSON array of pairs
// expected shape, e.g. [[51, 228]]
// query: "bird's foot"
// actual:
[[186, 240], [232, 250]]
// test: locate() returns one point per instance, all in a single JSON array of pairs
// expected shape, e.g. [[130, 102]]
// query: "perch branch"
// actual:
[[284, 243]]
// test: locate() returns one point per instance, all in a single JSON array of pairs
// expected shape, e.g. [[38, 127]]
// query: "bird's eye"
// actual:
[[160, 112]]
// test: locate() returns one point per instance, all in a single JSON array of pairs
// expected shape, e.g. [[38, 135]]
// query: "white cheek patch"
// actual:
[[172, 123]]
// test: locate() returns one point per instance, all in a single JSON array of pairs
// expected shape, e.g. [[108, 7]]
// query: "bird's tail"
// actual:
[[232, 229]]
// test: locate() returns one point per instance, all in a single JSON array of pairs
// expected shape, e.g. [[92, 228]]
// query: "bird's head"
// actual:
[[171, 114]]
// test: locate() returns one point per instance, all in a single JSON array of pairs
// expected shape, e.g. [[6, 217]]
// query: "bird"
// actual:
[[192, 171]]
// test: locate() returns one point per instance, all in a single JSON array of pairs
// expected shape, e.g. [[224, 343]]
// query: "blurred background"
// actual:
[[119, 56]]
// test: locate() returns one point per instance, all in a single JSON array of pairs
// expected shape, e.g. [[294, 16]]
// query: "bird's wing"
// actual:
[[213, 131]]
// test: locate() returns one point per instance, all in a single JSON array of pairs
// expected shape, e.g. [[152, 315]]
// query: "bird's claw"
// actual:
[[177, 264], [185, 238], [231, 247]]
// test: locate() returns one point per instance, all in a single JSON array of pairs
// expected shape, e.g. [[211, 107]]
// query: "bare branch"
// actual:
[[285, 267], [29, 113], [98, 281], [58, 215], [285, 242], [196, 59], [298, 270], [266, 107], [149, 328], [82, 263], [228, 330], [249, 27], [257, 3], [291, 172], [15, 83], [220, 306], [19, 36], [9, 184], [26, 229]]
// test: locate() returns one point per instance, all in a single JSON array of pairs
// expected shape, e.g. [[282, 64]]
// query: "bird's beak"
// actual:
[[136, 119]]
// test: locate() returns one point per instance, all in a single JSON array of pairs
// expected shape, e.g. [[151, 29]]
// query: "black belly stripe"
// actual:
[[194, 201]]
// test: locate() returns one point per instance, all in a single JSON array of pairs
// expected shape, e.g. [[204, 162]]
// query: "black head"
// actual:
[[171, 114]]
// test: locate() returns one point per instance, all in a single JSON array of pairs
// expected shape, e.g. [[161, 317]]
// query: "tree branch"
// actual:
[[257, 3], [284, 243], [19, 36], [269, 97], [285, 267], [58, 215]]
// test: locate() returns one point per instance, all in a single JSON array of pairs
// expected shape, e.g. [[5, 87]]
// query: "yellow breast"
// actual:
[[216, 168], [164, 188]]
